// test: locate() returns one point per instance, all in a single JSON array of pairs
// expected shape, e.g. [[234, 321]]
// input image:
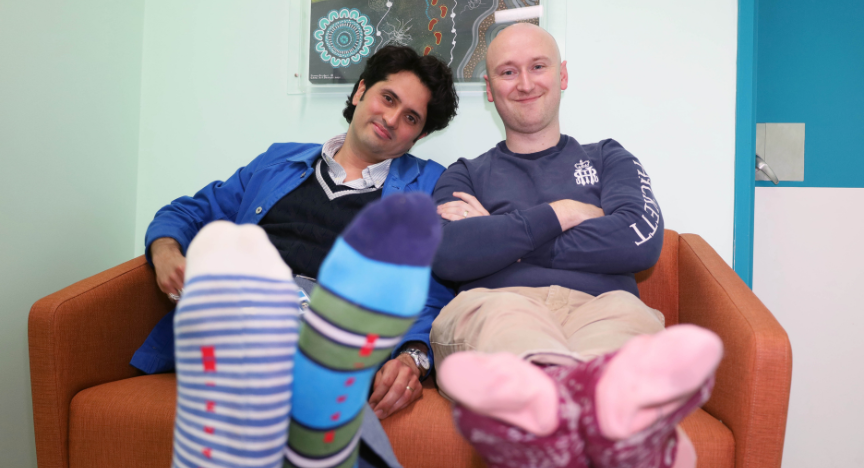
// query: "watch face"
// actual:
[[420, 359], [423, 360]]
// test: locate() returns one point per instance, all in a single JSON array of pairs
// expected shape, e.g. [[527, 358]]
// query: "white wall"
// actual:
[[657, 76], [69, 91], [807, 269]]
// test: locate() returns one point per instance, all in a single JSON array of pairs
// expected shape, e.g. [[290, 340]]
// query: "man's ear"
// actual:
[[488, 89], [564, 75], [422, 135], [361, 89]]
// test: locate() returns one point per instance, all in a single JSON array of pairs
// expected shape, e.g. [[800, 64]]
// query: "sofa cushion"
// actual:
[[658, 285], [129, 423], [423, 434], [715, 446]]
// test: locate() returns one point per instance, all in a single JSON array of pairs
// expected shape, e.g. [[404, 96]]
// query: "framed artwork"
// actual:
[[338, 36]]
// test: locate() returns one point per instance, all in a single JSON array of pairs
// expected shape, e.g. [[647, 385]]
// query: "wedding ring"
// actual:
[[409, 388], [465, 214]]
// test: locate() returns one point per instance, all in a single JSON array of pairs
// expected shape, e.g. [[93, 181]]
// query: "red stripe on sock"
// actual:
[[208, 358], [369, 346]]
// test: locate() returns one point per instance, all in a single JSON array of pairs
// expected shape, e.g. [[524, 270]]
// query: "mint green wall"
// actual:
[[214, 97], [661, 81], [69, 114]]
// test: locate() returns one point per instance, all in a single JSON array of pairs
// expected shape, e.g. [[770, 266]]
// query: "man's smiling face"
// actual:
[[524, 78], [389, 116]]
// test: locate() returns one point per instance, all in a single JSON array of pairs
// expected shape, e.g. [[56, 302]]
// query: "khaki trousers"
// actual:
[[552, 325]]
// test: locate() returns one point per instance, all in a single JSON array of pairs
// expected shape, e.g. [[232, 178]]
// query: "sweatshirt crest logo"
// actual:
[[585, 173]]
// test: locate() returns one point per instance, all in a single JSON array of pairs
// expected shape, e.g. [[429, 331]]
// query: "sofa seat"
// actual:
[[135, 417], [128, 423]]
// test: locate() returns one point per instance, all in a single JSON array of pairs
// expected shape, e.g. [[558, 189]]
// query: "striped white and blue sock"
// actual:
[[236, 330]]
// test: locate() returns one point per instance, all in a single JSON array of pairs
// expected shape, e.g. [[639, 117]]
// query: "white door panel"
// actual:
[[808, 269]]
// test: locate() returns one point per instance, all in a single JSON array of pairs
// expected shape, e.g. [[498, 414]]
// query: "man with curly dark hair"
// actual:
[[303, 195]]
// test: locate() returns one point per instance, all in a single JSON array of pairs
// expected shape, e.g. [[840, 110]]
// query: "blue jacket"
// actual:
[[247, 196]]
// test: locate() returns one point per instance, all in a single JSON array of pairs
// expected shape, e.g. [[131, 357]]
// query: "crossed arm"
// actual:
[[622, 235], [570, 213]]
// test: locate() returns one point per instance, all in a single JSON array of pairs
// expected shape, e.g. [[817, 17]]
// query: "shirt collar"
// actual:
[[372, 176]]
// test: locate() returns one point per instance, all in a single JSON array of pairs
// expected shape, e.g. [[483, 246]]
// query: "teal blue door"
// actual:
[[799, 61], [802, 61]]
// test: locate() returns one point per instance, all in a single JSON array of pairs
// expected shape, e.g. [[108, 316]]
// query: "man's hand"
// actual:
[[572, 213], [169, 263], [391, 392], [467, 207]]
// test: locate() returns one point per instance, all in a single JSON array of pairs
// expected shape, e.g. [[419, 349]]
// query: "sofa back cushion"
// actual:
[[658, 285]]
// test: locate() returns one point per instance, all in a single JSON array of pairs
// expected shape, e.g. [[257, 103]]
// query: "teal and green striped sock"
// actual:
[[372, 286]]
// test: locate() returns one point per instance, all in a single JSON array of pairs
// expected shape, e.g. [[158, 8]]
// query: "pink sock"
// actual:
[[652, 376], [504, 387], [499, 413]]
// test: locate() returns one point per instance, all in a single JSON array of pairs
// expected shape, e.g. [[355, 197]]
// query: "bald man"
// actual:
[[542, 234]]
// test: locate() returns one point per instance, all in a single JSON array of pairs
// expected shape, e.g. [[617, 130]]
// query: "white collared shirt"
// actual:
[[372, 176]]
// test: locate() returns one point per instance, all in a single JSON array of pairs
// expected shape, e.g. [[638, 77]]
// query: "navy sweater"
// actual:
[[521, 242]]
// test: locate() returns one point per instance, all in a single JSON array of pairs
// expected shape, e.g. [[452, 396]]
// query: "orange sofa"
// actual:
[[92, 409]]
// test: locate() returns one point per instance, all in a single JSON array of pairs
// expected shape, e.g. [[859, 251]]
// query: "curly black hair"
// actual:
[[431, 71]]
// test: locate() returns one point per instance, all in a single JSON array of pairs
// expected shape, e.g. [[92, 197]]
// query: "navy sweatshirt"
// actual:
[[521, 242]]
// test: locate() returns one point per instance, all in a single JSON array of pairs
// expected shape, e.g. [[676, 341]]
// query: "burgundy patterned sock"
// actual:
[[578, 440], [653, 447]]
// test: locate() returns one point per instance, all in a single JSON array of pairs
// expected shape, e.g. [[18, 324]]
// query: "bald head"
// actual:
[[525, 35], [524, 78]]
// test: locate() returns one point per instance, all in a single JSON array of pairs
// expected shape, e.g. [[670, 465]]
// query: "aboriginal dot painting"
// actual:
[[344, 33]]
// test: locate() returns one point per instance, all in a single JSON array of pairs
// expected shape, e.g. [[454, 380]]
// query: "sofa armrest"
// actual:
[[83, 336], [751, 395]]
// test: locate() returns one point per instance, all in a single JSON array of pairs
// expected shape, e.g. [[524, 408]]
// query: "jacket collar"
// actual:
[[403, 171]]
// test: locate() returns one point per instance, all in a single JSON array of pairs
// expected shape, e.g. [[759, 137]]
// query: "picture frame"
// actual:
[[329, 40]]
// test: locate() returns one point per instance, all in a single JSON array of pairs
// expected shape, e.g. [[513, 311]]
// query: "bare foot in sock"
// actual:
[[654, 381]]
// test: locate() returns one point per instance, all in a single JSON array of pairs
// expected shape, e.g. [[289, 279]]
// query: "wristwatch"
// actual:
[[420, 359]]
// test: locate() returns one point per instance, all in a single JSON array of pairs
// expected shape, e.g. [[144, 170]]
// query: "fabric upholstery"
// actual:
[[715, 446], [435, 443], [82, 336], [91, 408], [133, 417], [658, 285], [751, 396]]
